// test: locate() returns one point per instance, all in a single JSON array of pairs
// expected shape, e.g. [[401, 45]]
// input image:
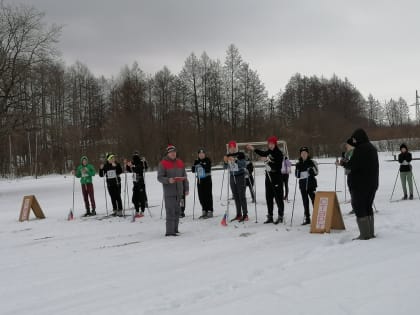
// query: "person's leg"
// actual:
[[142, 197], [410, 183], [171, 206], [91, 194], [85, 198], [112, 194], [278, 194], [209, 197], [269, 196], [118, 197], [403, 176], [242, 194], [136, 197], [235, 195]]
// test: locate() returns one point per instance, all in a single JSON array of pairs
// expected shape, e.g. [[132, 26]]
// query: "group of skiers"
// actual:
[[360, 162]]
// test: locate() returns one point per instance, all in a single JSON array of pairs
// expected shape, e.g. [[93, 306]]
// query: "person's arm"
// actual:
[[119, 169], [91, 170], [400, 158], [102, 170], [313, 170], [161, 175], [409, 157], [193, 166], [261, 152]]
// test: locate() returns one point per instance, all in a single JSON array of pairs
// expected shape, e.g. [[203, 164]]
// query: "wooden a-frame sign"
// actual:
[[327, 213], [28, 203]]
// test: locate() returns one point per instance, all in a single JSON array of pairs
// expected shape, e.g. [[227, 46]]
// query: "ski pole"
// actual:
[[345, 186], [144, 191], [195, 188], [161, 209], [74, 183], [255, 195], [223, 179], [294, 199], [336, 169], [106, 201], [125, 190], [398, 173], [415, 184]]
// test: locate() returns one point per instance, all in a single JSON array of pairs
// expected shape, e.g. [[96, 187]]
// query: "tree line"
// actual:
[[52, 113]]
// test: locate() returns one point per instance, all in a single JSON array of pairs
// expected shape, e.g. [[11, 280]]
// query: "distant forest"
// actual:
[[52, 113]]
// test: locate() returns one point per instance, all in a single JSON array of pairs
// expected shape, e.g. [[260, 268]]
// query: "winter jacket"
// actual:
[[112, 174], [169, 169], [274, 161], [364, 163], [138, 167], [238, 167], [405, 160], [202, 167], [85, 173], [306, 172]]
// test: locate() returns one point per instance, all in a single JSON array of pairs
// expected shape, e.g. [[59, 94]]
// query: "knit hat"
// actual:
[[350, 142], [304, 149], [201, 150], [272, 139], [232, 144], [403, 145], [170, 148]]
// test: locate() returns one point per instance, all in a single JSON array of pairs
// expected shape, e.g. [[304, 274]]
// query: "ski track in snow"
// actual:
[[109, 266]]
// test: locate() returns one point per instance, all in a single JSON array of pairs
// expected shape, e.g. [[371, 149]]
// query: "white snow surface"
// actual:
[[115, 266]]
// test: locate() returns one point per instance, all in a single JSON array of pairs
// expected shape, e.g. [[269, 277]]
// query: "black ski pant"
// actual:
[[238, 187], [307, 193], [362, 201], [274, 190], [139, 196], [115, 194], [285, 179], [205, 193]]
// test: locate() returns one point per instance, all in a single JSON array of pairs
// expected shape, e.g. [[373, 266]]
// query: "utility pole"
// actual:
[[417, 104]]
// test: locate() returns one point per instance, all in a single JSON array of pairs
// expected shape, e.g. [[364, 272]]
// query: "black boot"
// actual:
[[269, 219], [203, 215], [405, 197], [364, 228], [87, 214], [411, 197], [279, 220], [372, 226], [93, 212], [182, 214], [306, 221]]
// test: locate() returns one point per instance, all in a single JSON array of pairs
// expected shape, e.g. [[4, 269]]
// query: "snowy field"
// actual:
[[114, 266]]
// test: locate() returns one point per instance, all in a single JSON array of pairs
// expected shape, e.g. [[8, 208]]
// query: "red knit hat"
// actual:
[[272, 139], [232, 144]]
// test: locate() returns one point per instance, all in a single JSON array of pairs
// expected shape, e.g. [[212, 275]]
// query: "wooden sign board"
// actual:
[[30, 202], [327, 213]]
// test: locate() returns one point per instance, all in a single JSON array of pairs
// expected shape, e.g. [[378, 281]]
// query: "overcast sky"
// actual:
[[375, 44]]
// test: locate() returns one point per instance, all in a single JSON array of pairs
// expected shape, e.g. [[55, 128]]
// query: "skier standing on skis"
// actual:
[[406, 174], [172, 175], [138, 166], [202, 171], [286, 169], [85, 172], [364, 167], [306, 170], [273, 180], [112, 171], [236, 164]]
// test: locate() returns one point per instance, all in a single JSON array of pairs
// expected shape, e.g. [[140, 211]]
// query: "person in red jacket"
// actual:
[[173, 176]]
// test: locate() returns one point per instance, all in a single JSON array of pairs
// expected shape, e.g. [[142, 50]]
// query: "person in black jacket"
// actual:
[[236, 164], [138, 166], [306, 170], [364, 167], [406, 173], [112, 170], [202, 171], [273, 179]]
